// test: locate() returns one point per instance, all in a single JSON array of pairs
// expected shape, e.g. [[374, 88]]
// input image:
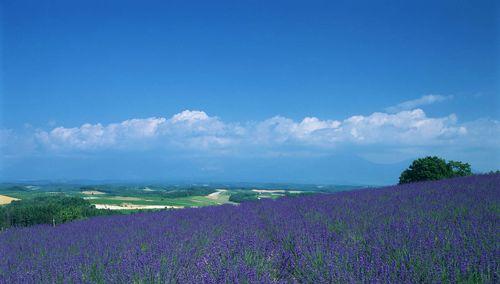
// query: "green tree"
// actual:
[[428, 168], [460, 169], [434, 168]]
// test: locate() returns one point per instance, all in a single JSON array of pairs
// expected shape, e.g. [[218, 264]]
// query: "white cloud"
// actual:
[[403, 128], [185, 129], [96, 136], [190, 116], [422, 101], [196, 131]]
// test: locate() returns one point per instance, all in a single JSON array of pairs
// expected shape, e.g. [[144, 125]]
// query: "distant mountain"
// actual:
[[344, 169]]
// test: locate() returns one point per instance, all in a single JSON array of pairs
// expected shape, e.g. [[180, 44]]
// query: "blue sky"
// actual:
[[302, 91]]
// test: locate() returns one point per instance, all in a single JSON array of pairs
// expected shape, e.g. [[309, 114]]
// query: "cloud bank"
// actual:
[[197, 131], [193, 143]]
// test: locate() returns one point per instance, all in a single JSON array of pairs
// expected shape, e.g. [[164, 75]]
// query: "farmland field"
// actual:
[[429, 232], [4, 199], [133, 197]]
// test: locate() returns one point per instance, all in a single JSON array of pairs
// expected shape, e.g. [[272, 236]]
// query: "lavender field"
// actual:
[[444, 231]]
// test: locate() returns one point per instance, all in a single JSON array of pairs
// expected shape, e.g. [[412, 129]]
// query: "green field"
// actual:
[[189, 201], [139, 197]]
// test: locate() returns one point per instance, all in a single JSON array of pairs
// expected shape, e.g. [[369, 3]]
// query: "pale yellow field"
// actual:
[[4, 199]]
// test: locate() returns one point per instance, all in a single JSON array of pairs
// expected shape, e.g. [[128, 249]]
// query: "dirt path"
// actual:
[[216, 194]]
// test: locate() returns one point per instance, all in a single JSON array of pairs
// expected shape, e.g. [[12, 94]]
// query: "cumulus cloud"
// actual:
[[403, 128], [422, 101], [96, 136], [197, 131], [188, 129]]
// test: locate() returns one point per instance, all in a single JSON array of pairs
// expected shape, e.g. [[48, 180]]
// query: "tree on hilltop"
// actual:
[[434, 168]]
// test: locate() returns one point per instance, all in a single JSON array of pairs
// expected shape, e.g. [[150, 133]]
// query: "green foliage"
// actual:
[[434, 168], [16, 188], [47, 210], [243, 196], [294, 194], [460, 169], [428, 168], [160, 192], [192, 191]]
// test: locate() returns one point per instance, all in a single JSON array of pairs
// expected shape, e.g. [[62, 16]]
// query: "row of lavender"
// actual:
[[444, 231]]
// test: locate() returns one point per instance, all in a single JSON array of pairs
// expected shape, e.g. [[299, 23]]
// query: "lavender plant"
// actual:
[[431, 232]]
